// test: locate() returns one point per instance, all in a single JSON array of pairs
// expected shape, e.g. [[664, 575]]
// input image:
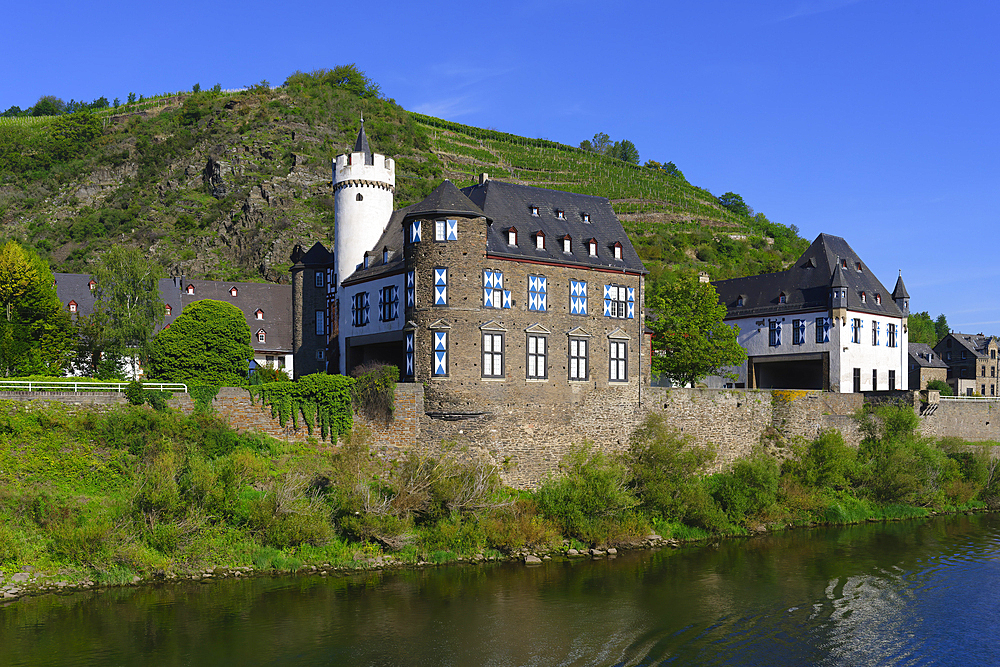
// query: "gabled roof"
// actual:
[[76, 287], [510, 205], [807, 284], [445, 199], [925, 357]]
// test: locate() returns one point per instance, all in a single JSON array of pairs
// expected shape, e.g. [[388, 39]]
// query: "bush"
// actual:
[[941, 386], [134, 393], [748, 490], [826, 462]]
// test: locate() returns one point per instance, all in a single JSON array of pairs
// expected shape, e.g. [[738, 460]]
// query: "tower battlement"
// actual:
[[356, 167]]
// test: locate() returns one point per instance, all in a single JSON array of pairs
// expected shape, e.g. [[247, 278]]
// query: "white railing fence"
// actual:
[[39, 385]]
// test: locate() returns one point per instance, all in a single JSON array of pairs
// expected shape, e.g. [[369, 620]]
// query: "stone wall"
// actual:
[[973, 420], [77, 398]]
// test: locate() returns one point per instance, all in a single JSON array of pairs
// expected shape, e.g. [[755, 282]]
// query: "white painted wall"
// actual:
[[374, 326]]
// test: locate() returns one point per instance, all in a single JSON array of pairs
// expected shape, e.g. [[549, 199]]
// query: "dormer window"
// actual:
[[168, 309], [233, 291], [92, 284], [540, 240], [782, 298], [739, 302], [585, 216], [560, 214], [567, 243], [190, 289], [72, 306], [864, 297], [259, 314], [512, 236], [366, 260], [878, 299], [843, 263], [593, 247], [534, 211], [385, 255], [261, 336], [858, 265], [618, 250]]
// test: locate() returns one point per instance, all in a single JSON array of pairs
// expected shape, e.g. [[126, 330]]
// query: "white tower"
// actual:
[[363, 184]]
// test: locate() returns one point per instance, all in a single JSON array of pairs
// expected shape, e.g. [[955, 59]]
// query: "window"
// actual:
[[577, 297], [318, 276], [864, 298], [874, 379], [585, 216], [320, 354], [878, 298], [963, 355], [890, 331], [492, 355], [537, 290], [822, 330], [593, 247], [537, 367], [365, 264], [441, 286], [856, 330], [511, 236], [494, 295], [618, 361], [233, 291], [739, 302], [619, 302], [72, 306], [983, 372], [540, 240], [385, 255], [798, 332], [261, 336], [618, 250], [359, 197], [259, 314], [92, 285], [579, 368], [440, 354], [446, 230], [993, 354], [947, 356], [439, 230], [359, 310], [534, 211], [875, 331], [774, 333], [782, 298], [168, 310], [892, 380], [190, 289], [321, 318], [843, 263], [857, 380], [560, 214], [567, 244], [388, 303], [858, 265]]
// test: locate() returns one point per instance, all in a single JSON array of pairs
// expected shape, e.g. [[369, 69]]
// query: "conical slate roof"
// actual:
[[446, 199], [361, 144], [838, 279], [899, 291]]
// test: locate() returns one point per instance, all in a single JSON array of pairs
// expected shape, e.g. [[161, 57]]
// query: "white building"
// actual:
[[825, 323]]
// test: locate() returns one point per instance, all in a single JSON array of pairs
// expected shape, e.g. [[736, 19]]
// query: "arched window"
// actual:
[[360, 197], [261, 336], [168, 309], [782, 298], [233, 291], [72, 306]]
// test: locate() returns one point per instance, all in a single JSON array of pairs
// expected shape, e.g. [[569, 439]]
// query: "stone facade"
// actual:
[[972, 363], [312, 309]]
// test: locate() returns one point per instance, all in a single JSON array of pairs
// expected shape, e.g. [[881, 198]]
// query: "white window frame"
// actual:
[[491, 357], [537, 357], [579, 359], [617, 361]]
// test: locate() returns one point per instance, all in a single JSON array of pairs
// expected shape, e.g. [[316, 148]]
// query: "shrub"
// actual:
[[941, 386], [825, 462], [746, 491], [134, 393]]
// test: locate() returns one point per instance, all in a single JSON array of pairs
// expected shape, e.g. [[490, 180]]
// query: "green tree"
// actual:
[[690, 339], [941, 326], [921, 328], [624, 150], [131, 98], [128, 299], [35, 332], [48, 105], [735, 203], [209, 342]]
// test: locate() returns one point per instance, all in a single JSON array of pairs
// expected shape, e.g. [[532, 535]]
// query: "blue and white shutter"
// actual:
[[409, 353], [802, 332], [440, 352], [609, 291], [537, 293], [451, 233], [410, 289], [488, 287], [577, 297], [441, 286], [414, 231], [826, 329], [630, 311], [875, 332]]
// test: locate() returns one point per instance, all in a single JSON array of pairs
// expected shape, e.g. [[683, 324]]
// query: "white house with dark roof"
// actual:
[[825, 323]]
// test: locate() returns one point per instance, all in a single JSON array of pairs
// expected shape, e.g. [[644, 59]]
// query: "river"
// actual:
[[903, 593]]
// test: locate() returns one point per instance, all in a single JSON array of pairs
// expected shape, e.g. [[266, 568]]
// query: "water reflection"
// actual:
[[877, 594]]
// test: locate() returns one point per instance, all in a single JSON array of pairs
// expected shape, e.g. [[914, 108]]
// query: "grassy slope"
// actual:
[[144, 181]]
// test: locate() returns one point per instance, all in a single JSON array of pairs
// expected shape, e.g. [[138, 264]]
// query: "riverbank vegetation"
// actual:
[[132, 491]]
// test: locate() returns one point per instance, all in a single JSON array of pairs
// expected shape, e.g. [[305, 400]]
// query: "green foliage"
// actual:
[[921, 328], [735, 203], [591, 500], [941, 386], [208, 343], [203, 395], [747, 490], [690, 340], [827, 462], [374, 392], [345, 77], [134, 393], [323, 400], [625, 151]]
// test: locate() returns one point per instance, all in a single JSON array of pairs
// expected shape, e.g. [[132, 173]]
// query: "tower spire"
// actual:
[[361, 144]]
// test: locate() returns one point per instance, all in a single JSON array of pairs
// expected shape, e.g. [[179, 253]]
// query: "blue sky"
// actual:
[[875, 120]]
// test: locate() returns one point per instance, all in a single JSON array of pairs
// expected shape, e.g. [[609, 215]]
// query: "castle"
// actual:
[[490, 295]]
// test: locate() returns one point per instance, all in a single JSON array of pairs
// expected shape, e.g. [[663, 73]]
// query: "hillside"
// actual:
[[222, 185]]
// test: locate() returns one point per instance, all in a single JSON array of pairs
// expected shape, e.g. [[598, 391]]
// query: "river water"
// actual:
[[907, 593]]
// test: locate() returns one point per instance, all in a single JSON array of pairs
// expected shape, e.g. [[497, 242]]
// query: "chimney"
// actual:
[[483, 177]]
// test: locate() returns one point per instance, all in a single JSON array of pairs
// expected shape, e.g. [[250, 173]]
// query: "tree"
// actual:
[[624, 150], [48, 105], [35, 332], [131, 98], [690, 339], [128, 299], [921, 328], [735, 203], [209, 342], [941, 326]]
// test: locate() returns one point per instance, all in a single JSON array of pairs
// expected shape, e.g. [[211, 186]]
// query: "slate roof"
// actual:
[[392, 239], [361, 145], [445, 199], [807, 284], [275, 300], [974, 343], [510, 205], [316, 256], [924, 356]]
